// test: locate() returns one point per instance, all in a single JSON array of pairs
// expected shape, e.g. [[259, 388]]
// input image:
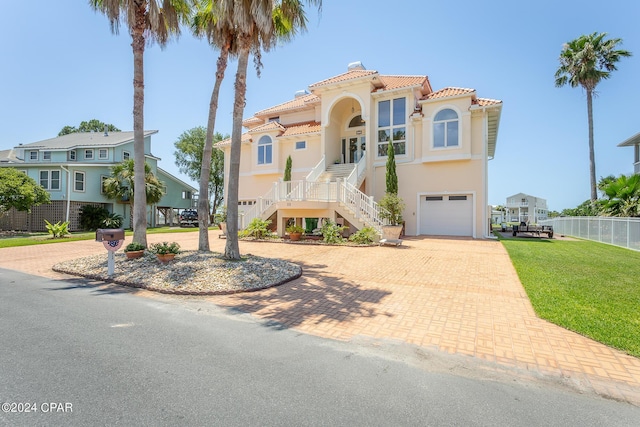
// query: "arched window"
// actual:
[[265, 147], [445, 129], [356, 122]]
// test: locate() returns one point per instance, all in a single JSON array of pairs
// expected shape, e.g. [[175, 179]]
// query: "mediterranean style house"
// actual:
[[337, 133], [634, 142], [72, 168], [525, 208]]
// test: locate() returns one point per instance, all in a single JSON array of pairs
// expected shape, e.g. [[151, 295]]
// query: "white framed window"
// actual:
[[88, 154], [33, 155], [265, 150], [186, 195], [102, 153], [445, 129], [50, 180], [392, 119], [46, 155], [78, 181], [126, 155], [301, 145], [103, 179], [72, 154]]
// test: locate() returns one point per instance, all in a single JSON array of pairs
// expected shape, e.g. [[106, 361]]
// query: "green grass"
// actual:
[[28, 239], [587, 287]]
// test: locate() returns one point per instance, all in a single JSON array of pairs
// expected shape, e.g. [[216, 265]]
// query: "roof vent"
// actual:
[[357, 65], [300, 93]]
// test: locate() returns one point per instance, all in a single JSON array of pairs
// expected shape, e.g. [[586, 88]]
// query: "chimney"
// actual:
[[106, 130]]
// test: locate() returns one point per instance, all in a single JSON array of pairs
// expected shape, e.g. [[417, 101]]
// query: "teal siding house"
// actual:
[[72, 168]]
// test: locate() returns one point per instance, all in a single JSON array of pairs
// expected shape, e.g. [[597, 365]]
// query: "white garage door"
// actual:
[[450, 215]]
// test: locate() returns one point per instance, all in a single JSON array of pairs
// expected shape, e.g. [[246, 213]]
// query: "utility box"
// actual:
[[109, 234]]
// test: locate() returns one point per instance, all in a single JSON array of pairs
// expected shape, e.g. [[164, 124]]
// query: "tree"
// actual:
[[92, 125], [586, 208], [622, 197], [391, 177], [258, 25], [190, 149], [287, 170], [122, 183], [19, 191], [392, 205], [584, 62], [148, 21]]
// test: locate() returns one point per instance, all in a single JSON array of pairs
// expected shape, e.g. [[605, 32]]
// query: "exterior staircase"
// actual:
[[336, 171]]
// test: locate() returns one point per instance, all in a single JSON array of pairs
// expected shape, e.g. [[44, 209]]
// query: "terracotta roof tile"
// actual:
[[294, 104], [302, 128], [349, 75], [447, 92], [246, 137], [396, 82], [268, 126], [252, 121], [484, 102]]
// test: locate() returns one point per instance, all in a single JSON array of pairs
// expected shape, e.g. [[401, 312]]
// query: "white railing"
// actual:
[[624, 232], [317, 170], [358, 171], [362, 206]]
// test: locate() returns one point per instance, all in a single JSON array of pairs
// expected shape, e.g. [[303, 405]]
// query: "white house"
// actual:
[[525, 208]]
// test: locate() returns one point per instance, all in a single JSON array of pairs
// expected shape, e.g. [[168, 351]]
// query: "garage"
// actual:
[[446, 215]]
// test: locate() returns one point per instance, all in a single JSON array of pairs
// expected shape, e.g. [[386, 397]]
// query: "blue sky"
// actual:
[[62, 65]]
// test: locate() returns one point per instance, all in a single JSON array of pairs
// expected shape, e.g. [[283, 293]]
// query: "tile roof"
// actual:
[[268, 126], [294, 104], [396, 82], [485, 102], [349, 75], [302, 128], [252, 121], [85, 139], [246, 137], [447, 92]]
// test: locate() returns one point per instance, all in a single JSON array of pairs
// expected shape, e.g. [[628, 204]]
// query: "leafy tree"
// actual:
[[19, 191], [584, 62], [122, 183], [622, 197], [92, 125], [586, 208], [148, 21], [189, 152], [257, 25]]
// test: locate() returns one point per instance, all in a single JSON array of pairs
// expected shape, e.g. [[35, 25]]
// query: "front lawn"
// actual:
[[587, 287]]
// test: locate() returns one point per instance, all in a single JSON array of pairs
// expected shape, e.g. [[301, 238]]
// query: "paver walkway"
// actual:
[[444, 294]]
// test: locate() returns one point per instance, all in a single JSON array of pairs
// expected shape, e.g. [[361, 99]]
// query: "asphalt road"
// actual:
[[72, 353]]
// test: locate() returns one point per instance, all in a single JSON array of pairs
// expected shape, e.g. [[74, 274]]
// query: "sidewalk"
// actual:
[[457, 296]]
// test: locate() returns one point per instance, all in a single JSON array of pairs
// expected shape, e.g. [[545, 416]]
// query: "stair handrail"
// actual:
[[361, 205], [317, 170], [358, 170]]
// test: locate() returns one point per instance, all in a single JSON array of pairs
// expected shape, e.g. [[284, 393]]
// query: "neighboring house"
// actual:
[[337, 136], [634, 142], [72, 168], [525, 208], [497, 215]]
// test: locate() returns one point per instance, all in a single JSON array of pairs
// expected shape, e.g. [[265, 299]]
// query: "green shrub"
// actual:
[[295, 229], [92, 217], [332, 232], [113, 220], [366, 236], [165, 248], [134, 246], [59, 229], [257, 228]]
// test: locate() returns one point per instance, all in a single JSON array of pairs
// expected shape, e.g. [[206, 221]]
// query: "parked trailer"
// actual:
[[536, 230]]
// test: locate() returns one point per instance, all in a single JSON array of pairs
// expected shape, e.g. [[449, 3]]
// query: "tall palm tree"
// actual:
[[148, 21], [584, 62], [622, 196], [229, 25], [259, 24], [122, 183]]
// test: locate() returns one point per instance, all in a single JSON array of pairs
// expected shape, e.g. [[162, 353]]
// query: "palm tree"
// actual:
[[239, 28], [584, 62], [623, 196], [122, 183], [148, 21]]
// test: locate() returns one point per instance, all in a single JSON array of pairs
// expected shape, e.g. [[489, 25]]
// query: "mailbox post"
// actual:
[[112, 239]]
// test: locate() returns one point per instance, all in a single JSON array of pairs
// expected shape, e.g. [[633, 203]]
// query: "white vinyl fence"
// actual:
[[624, 232]]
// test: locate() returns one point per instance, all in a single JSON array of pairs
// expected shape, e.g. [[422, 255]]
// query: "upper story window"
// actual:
[[78, 181], [265, 150], [103, 184], [46, 155], [392, 119], [72, 155], [126, 155], [102, 153], [33, 155], [186, 195], [50, 180], [445, 129], [88, 154], [357, 121], [301, 145]]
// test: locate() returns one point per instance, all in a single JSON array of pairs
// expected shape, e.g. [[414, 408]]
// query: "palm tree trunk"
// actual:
[[592, 155], [232, 250], [205, 170], [139, 197]]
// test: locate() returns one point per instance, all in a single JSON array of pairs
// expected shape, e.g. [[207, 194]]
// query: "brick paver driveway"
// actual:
[[448, 295]]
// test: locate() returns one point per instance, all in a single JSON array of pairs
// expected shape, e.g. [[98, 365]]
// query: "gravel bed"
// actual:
[[190, 273]]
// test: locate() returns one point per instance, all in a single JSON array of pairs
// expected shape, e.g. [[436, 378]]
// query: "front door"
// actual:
[[353, 148]]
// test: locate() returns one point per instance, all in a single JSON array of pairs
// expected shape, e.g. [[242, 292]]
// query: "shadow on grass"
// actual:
[[316, 295]]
